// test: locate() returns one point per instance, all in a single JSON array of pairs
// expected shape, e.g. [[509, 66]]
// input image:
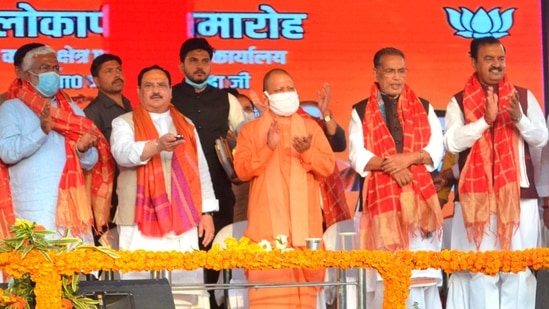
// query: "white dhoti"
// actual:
[[421, 295], [504, 290], [131, 239]]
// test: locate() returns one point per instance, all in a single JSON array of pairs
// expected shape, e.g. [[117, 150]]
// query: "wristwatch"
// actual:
[[328, 118], [209, 213]]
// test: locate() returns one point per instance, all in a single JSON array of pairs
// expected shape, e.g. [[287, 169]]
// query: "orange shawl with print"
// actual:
[[73, 204], [391, 211], [332, 189], [490, 179], [155, 214], [7, 216]]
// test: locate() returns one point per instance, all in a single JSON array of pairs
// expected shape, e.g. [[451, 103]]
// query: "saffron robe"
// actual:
[[284, 199]]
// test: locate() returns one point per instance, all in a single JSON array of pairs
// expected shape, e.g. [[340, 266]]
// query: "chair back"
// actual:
[[235, 230], [335, 234], [237, 298]]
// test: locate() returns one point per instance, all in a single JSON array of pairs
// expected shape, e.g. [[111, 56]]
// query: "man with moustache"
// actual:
[[496, 128], [395, 142], [166, 199], [5, 196], [17, 60], [214, 112], [110, 103], [48, 144]]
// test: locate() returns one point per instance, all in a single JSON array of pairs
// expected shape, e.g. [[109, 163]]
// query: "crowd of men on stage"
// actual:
[[151, 168]]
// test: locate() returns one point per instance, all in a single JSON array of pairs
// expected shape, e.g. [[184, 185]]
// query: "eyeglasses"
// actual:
[[392, 72], [48, 68], [150, 86]]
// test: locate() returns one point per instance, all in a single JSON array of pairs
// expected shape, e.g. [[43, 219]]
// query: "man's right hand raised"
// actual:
[[491, 106], [273, 136], [46, 122], [261, 106]]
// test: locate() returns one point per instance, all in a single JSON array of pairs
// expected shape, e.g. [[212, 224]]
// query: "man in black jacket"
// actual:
[[213, 112]]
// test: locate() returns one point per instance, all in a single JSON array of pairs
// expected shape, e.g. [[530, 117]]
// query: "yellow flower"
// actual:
[[23, 224], [395, 268]]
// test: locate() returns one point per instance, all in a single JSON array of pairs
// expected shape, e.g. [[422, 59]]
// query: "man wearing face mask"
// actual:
[[213, 112], [283, 155], [48, 145], [247, 107], [334, 205], [395, 141], [5, 195], [17, 60], [241, 190]]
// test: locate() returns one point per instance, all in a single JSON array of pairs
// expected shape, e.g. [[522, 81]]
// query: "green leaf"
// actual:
[[26, 250], [108, 252], [75, 279], [46, 256]]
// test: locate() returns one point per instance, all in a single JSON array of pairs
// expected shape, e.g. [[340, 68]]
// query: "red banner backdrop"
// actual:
[[322, 42]]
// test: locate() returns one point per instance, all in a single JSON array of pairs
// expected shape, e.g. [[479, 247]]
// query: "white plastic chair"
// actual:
[[334, 236], [238, 298], [235, 230]]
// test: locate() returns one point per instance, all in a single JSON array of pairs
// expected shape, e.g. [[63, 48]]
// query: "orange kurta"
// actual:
[[284, 199]]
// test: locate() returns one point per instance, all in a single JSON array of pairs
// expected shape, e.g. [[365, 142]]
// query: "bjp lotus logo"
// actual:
[[480, 24]]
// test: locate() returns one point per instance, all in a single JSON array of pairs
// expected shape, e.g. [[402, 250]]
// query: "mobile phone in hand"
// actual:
[[179, 137]]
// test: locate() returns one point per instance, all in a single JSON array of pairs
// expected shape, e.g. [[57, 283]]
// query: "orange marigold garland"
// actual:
[[394, 268]]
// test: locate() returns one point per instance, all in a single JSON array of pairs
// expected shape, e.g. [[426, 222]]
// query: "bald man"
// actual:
[[283, 155]]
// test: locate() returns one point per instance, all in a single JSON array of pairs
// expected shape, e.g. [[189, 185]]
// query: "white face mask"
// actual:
[[284, 103], [249, 116]]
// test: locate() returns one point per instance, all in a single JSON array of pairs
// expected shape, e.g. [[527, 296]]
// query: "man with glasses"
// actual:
[[5, 196], [165, 191], [17, 60], [48, 144], [395, 142]]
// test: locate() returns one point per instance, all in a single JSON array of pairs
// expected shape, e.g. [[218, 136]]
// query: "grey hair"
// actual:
[[42, 50]]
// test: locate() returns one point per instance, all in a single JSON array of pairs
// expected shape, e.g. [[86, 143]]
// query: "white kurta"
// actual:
[[504, 290], [424, 297], [542, 186], [36, 161], [127, 153]]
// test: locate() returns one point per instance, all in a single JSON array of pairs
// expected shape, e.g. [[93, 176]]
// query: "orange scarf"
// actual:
[[7, 216], [332, 189], [73, 211], [390, 211], [490, 179], [155, 214]]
